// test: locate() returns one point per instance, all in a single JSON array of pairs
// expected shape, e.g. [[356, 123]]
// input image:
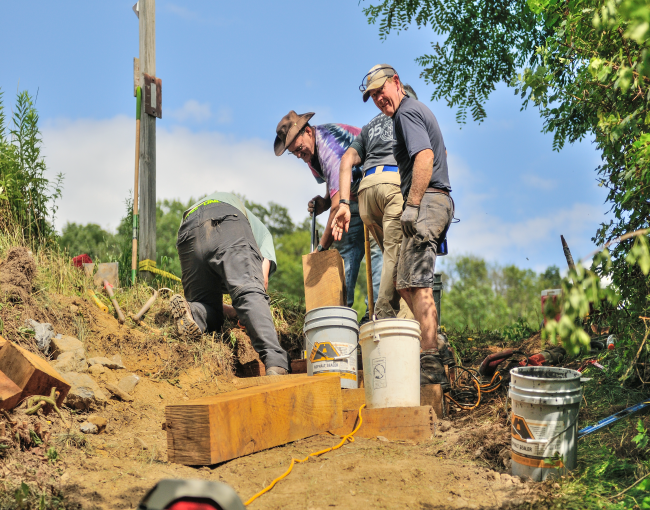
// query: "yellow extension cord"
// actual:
[[347, 437], [150, 265]]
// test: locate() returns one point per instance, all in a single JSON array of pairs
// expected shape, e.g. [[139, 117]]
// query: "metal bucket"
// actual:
[[545, 404], [331, 338], [391, 362]]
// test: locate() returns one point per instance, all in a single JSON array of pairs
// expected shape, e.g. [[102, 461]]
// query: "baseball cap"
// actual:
[[375, 78]]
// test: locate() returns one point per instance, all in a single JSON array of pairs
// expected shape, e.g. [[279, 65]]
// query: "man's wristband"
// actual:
[[344, 201], [320, 247]]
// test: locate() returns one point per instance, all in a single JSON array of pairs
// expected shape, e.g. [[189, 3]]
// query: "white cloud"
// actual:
[[97, 158], [192, 110], [535, 181]]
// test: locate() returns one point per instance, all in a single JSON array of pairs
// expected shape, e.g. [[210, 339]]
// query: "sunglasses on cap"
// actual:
[[370, 76]]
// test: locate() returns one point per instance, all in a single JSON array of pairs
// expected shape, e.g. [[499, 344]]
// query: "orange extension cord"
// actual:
[[315, 454], [479, 388]]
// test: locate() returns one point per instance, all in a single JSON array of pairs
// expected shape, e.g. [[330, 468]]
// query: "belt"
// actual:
[[438, 190], [381, 168]]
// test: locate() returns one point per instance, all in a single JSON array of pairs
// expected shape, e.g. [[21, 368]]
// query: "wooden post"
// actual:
[[147, 205]]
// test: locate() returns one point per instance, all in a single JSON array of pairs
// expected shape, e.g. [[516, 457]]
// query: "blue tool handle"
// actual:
[[606, 422]]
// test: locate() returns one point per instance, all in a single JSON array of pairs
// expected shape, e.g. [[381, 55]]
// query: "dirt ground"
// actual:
[[459, 467]]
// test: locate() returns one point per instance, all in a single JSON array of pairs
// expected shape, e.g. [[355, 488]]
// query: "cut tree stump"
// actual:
[[432, 395], [9, 393], [31, 373], [220, 428], [393, 423], [324, 278]]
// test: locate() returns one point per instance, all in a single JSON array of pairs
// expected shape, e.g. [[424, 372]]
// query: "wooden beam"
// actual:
[[31, 373], [147, 198], [432, 395], [353, 399], [324, 278], [216, 429], [9, 393], [393, 423], [249, 382]]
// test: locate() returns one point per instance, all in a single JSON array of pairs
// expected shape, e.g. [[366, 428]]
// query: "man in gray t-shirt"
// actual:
[[380, 205], [421, 156]]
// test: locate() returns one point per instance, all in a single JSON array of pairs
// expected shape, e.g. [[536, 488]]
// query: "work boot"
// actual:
[[432, 371], [185, 324], [276, 371], [446, 354]]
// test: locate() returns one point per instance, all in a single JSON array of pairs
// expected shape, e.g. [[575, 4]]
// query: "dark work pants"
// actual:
[[219, 255]]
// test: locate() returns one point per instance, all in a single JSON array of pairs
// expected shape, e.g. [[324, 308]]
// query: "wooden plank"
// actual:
[[393, 423], [147, 198], [220, 428], [136, 75], [324, 278], [353, 399], [9, 393], [249, 382], [31, 373], [432, 395]]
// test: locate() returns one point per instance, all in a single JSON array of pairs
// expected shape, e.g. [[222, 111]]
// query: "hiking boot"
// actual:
[[446, 354], [432, 370], [181, 312], [276, 371]]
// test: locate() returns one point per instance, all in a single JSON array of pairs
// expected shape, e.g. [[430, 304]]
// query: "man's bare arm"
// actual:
[[422, 170], [349, 159]]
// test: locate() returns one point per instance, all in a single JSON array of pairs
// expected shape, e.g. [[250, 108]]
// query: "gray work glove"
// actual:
[[409, 219]]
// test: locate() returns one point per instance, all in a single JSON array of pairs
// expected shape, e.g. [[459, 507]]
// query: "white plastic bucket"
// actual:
[[331, 335], [391, 362], [545, 404]]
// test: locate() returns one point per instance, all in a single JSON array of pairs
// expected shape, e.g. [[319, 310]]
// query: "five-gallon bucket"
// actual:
[[331, 335], [545, 403], [391, 362]]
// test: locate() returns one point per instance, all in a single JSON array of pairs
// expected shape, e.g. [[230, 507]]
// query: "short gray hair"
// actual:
[[409, 90]]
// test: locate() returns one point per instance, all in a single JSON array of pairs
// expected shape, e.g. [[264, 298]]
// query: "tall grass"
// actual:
[[27, 197]]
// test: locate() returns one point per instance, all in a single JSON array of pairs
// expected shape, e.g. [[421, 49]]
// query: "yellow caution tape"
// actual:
[[150, 265]]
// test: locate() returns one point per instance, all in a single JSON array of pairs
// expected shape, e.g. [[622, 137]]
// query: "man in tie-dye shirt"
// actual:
[[322, 147]]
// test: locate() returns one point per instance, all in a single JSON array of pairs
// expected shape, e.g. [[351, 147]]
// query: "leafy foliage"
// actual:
[[484, 42], [27, 197], [482, 296]]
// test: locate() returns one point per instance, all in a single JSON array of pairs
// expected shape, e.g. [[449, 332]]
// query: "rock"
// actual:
[[506, 478], [65, 344], [43, 332], [118, 392], [84, 392], [65, 477], [100, 421], [117, 359], [96, 370], [89, 428], [139, 443], [71, 361], [445, 425], [128, 383], [105, 362], [383, 439], [74, 308]]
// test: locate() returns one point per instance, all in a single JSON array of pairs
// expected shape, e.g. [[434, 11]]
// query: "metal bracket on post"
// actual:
[[152, 96]]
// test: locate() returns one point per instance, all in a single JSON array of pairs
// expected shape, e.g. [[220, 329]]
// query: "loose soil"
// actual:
[[462, 466]]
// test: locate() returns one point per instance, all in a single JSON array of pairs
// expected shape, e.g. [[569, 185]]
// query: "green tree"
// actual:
[[90, 239]]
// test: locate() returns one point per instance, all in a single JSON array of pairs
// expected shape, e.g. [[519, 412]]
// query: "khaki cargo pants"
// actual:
[[380, 207]]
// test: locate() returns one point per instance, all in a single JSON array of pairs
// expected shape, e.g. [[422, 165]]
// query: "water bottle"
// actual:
[[442, 248], [611, 342]]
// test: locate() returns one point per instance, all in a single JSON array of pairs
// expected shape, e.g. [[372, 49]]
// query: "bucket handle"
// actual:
[[376, 337]]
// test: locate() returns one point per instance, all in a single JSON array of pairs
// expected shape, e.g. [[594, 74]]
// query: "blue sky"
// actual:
[[230, 71]]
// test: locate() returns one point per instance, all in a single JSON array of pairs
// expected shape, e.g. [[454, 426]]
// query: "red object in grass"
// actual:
[[80, 260], [200, 504]]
